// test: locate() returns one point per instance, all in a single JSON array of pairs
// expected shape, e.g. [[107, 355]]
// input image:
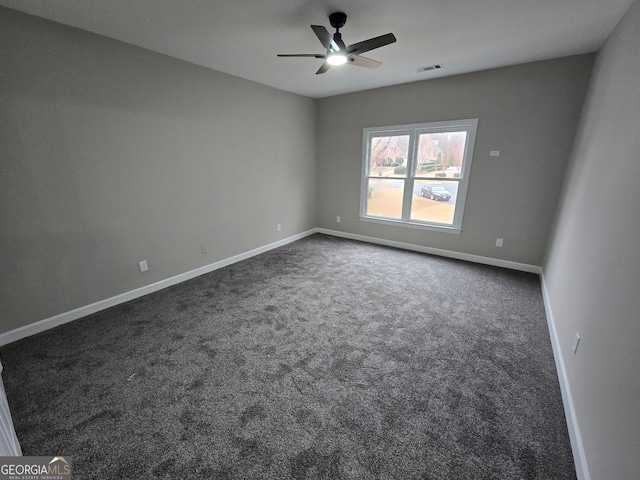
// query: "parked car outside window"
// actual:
[[435, 192]]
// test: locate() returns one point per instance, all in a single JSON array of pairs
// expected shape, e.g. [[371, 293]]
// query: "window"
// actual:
[[417, 175]]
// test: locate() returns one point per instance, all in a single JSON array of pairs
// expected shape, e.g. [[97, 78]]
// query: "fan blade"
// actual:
[[313, 55], [325, 66], [370, 44], [325, 38], [363, 61]]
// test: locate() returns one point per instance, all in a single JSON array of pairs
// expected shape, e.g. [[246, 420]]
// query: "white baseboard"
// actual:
[[51, 322], [496, 262], [579, 456]]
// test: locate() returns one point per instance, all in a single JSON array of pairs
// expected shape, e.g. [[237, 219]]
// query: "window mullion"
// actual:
[[406, 201], [408, 184]]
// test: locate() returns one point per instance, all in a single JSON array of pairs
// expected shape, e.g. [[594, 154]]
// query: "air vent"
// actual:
[[429, 68]]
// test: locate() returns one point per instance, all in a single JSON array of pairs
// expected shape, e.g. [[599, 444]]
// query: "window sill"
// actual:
[[419, 226]]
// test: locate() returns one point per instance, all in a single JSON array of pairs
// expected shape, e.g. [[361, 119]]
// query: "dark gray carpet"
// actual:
[[326, 358]]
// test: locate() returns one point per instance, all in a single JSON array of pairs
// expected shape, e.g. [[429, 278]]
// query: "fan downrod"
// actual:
[[338, 19]]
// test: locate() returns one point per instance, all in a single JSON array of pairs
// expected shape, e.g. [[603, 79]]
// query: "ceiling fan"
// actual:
[[337, 52]]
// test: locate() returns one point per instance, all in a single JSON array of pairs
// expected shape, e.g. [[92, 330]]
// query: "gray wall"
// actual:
[[111, 154], [592, 271], [528, 112]]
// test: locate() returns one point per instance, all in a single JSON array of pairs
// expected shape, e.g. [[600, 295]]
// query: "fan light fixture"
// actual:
[[336, 59]]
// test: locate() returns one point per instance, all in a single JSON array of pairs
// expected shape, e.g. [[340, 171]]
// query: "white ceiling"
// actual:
[[242, 37]]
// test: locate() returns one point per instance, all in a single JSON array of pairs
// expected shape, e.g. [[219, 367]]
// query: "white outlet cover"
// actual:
[[143, 266], [494, 153], [499, 242]]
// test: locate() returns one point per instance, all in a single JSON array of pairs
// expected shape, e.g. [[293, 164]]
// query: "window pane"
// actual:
[[440, 155], [388, 156], [384, 198], [434, 201]]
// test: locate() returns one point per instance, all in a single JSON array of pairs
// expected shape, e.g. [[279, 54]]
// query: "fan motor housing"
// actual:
[[338, 19]]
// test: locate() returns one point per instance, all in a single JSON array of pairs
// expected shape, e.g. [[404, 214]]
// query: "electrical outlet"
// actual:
[[203, 249], [337, 219], [494, 153], [143, 266], [279, 227], [576, 342], [499, 242]]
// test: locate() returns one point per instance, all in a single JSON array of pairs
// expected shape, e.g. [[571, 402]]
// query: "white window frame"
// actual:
[[414, 130]]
